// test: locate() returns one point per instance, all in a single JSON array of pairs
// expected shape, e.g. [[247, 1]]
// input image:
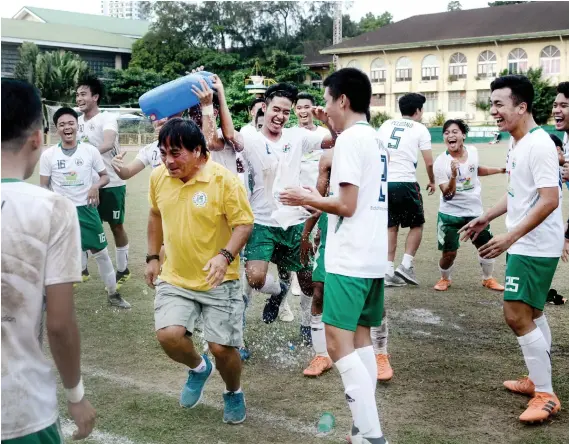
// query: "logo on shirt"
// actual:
[[286, 148], [71, 179], [79, 162], [200, 199], [471, 168], [92, 127]]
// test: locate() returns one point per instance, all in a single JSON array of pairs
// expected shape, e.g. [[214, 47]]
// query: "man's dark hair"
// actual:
[[410, 103], [285, 90], [352, 83], [556, 141], [182, 134], [257, 100], [464, 128], [260, 113], [306, 96], [368, 115], [21, 113], [95, 86], [521, 87], [563, 88], [63, 111]]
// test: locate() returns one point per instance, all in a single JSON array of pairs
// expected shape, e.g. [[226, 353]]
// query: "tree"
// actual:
[[371, 22], [544, 95], [454, 6], [125, 86], [57, 74], [25, 69], [503, 3]]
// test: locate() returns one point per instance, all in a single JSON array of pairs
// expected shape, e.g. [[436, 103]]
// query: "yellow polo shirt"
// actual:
[[197, 221]]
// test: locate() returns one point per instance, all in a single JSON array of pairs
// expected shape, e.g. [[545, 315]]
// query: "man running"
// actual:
[[404, 138], [356, 247], [41, 259], [457, 171], [534, 241]]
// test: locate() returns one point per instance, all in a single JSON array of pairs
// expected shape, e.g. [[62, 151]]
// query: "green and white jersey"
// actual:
[[357, 246], [310, 160], [533, 164], [150, 155], [403, 138], [467, 201], [72, 176], [91, 131]]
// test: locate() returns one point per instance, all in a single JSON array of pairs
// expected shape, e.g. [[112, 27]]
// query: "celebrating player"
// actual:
[[252, 127]]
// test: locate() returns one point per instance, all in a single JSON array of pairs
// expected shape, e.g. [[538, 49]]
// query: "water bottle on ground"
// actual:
[[326, 423]]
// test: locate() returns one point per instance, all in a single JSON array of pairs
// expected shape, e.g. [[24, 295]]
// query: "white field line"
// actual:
[[68, 427], [280, 422]]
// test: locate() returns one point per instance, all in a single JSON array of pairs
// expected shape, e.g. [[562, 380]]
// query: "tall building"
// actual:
[[121, 9]]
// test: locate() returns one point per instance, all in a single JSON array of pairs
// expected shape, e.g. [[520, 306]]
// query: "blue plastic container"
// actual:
[[172, 97]]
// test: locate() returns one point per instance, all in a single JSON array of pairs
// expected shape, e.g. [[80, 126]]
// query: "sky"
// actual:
[[400, 9]]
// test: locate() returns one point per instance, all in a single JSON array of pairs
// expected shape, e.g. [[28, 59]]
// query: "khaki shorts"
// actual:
[[222, 309]]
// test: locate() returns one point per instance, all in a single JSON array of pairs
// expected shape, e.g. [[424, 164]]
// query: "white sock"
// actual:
[[202, 366], [122, 258], [318, 336], [106, 270], [538, 362], [379, 338], [541, 322], [367, 356], [84, 259], [390, 269], [360, 395], [446, 273], [487, 267], [407, 261], [305, 309], [271, 286], [225, 391]]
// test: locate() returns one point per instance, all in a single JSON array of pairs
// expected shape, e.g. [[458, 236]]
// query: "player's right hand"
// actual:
[[204, 93], [454, 168], [431, 188], [117, 162], [83, 415], [565, 174], [565, 255], [151, 273], [472, 229]]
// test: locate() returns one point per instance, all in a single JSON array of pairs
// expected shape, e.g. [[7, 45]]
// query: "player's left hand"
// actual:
[[217, 84], [93, 197], [297, 196], [204, 93], [431, 188], [565, 255], [496, 246], [217, 268]]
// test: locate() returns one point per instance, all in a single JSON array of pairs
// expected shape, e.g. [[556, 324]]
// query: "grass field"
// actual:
[[450, 353]]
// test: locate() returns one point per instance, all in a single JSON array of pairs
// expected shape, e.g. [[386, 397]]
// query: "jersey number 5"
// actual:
[[395, 138], [383, 178]]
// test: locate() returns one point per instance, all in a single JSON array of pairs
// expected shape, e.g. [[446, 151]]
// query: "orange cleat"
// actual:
[[523, 386], [541, 407], [319, 365], [492, 284], [384, 370], [443, 284]]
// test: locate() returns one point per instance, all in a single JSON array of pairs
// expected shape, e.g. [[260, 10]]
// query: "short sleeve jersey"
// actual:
[[150, 155], [309, 165], [225, 157]]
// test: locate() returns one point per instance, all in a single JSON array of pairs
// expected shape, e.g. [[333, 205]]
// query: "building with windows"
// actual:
[[121, 9], [452, 57]]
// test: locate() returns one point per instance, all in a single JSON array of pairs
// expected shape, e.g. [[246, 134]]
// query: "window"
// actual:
[[550, 60], [457, 101], [378, 100], [487, 65], [483, 96], [353, 64], [317, 84], [430, 105], [430, 68], [403, 71], [397, 97], [517, 61], [378, 71], [457, 66]]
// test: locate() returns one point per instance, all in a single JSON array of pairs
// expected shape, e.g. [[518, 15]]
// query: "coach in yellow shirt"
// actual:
[[200, 211]]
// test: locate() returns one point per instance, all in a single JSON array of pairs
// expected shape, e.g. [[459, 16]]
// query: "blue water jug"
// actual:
[[172, 97]]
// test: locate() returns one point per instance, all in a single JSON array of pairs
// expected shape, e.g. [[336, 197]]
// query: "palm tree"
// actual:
[[57, 74]]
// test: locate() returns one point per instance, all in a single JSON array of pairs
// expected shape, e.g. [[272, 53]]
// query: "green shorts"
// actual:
[[276, 245], [447, 232], [92, 232], [405, 207], [528, 279], [112, 204], [352, 301], [319, 270], [49, 435]]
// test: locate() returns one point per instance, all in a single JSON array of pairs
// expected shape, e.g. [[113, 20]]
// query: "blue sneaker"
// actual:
[[234, 408], [271, 310], [192, 393], [244, 353]]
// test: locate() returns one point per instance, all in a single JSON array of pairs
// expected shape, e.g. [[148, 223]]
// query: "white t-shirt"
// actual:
[[309, 165], [150, 155], [266, 160], [225, 157], [566, 147], [532, 164], [467, 201], [41, 246], [91, 131], [72, 176], [357, 246], [403, 138], [248, 130]]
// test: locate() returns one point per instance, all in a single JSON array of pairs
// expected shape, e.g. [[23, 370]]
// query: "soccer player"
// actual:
[[356, 245], [252, 127], [561, 116], [41, 259], [259, 119], [202, 209], [100, 129], [457, 171], [404, 138], [68, 169], [534, 241]]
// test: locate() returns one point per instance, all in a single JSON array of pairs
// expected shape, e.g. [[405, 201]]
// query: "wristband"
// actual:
[[76, 394], [207, 110], [227, 255]]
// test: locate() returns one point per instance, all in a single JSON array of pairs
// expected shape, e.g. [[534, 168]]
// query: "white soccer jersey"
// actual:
[[150, 155], [91, 131], [225, 157], [41, 246], [72, 176], [357, 246], [533, 164], [467, 201], [566, 147], [403, 138], [309, 165], [248, 130]]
